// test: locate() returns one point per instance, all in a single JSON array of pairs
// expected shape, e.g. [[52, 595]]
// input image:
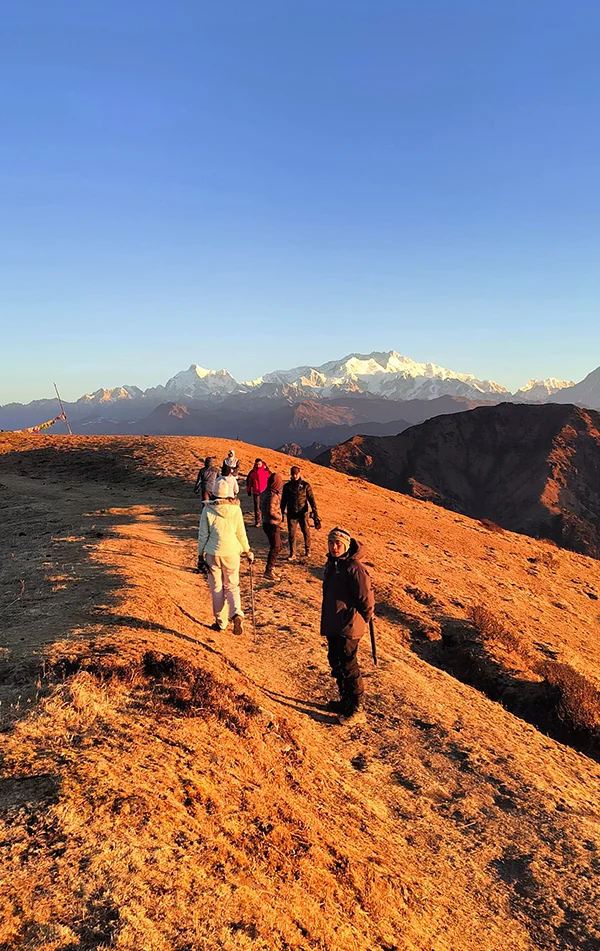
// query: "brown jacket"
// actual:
[[348, 601], [270, 501]]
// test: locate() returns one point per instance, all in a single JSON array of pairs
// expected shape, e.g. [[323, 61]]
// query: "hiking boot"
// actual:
[[217, 627], [335, 706], [272, 576], [238, 624], [352, 715], [291, 558]]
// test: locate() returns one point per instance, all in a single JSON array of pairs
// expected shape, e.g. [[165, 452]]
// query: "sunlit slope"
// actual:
[[165, 787]]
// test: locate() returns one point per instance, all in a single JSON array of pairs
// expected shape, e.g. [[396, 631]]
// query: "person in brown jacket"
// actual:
[[270, 503], [348, 606]]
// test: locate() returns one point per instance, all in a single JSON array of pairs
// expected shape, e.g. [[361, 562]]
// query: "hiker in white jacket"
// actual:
[[231, 480], [221, 540]]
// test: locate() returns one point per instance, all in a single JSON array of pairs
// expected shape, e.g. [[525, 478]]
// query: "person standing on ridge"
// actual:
[[297, 496], [208, 475], [256, 483], [221, 540], [348, 607], [270, 503], [231, 480], [231, 461]]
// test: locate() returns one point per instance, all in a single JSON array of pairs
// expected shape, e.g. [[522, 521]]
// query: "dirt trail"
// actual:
[[479, 828]]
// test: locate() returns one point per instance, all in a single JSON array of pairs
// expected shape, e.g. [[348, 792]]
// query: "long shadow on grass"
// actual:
[[56, 502], [312, 710], [462, 653]]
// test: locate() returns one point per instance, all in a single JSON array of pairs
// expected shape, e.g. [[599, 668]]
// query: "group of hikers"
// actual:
[[348, 603]]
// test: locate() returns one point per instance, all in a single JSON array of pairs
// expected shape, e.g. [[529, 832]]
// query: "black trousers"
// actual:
[[343, 660], [273, 533], [257, 512], [298, 521]]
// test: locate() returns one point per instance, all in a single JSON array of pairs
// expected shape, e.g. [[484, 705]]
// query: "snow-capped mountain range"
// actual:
[[540, 390], [383, 374]]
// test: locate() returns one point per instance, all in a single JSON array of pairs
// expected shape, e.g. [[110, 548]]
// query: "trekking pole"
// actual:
[[373, 642], [252, 602]]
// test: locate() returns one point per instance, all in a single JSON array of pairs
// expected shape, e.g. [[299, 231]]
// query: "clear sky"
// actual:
[[254, 185]]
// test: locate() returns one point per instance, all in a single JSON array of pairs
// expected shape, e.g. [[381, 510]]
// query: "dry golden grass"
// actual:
[[165, 787], [494, 633], [578, 701]]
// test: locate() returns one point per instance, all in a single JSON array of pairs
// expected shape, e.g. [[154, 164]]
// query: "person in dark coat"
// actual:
[[348, 606], [232, 462], [297, 496], [256, 483], [270, 503], [208, 475]]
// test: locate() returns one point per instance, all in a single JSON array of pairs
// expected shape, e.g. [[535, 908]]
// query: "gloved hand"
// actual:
[[317, 523], [250, 556], [202, 567]]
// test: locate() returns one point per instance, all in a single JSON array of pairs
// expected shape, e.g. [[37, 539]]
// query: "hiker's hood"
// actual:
[[356, 552], [225, 508], [275, 482]]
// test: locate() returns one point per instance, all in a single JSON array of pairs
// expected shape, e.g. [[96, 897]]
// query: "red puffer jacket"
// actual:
[[256, 481]]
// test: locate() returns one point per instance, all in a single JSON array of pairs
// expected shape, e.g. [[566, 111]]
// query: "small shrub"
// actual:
[[492, 630], [578, 701], [545, 558], [421, 596], [491, 526]]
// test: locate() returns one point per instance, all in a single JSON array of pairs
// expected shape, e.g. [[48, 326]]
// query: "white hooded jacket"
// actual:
[[222, 530]]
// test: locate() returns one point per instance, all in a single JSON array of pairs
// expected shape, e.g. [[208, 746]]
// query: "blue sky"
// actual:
[[258, 185]]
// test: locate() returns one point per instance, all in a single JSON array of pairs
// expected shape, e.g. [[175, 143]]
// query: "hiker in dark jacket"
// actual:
[[348, 606], [232, 462], [208, 475], [270, 503], [297, 496], [256, 483]]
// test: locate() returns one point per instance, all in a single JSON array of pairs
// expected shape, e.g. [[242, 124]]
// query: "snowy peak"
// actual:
[[195, 383], [541, 389], [114, 395], [385, 373]]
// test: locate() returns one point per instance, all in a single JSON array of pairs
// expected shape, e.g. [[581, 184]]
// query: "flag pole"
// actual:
[[62, 409]]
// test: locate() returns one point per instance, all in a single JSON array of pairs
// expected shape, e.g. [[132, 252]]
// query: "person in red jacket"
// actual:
[[256, 483], [348, 606]]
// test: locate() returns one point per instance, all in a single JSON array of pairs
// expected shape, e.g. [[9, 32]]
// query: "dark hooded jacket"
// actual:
[[297, 495], [348, 601], [208, 475], [270, 501]]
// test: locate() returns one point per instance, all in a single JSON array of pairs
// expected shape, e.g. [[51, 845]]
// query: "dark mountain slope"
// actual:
[[532, 469]]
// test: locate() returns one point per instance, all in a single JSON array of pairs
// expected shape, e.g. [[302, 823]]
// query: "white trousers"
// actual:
[[224, 584]]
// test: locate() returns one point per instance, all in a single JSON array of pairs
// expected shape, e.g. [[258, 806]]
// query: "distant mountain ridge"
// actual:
[[387, 385], [531, 469], [385, 374]]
